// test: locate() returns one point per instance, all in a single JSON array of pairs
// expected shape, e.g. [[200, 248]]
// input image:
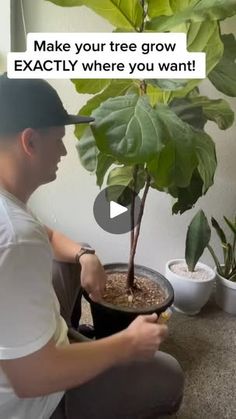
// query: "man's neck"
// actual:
[[16, 183], [14, 190]]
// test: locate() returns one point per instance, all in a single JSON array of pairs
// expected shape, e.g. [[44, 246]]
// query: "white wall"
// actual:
[[67, 203], [5, 38]]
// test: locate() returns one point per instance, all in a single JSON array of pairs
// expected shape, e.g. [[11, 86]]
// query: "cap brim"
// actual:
[[78, 119]]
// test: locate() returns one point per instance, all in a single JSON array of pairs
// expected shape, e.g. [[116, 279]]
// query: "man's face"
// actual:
[[49, 150]]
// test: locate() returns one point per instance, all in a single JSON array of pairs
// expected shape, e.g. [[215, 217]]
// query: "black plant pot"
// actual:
[[109, 319]]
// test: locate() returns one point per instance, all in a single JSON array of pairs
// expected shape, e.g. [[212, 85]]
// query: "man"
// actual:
[[41, 374]]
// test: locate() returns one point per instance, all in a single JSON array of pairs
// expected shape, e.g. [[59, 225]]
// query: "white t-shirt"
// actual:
[[29, 309]]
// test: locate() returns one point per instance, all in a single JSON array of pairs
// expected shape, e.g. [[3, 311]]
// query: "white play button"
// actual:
[[112, 209], [116, 209]]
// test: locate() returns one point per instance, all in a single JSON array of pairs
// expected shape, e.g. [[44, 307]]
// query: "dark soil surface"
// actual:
[[146, 293]]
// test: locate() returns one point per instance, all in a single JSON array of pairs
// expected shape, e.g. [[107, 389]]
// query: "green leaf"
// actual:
[[103, 164], [90, 85], [230, 225], [157, 95], [175, 163], [122, 179], [189, 112], [165, 7], [228, 259], [123, 30], [206, 155], [232, 276], [124, 176], [90, 157], [219, 230], [67, 3], [187, 197], [196, 11], [223, 76], [128, 128], [168, 84], [201, 37], [159, 8], [115, 88], [88, 151], [198, 237], [205, 37], [218, 111], [219, 268], [120, 13]]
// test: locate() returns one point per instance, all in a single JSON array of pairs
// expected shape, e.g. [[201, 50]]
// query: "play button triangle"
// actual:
[[116, 209]]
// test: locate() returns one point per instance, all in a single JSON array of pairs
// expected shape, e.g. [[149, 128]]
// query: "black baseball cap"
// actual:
[[32, 103]]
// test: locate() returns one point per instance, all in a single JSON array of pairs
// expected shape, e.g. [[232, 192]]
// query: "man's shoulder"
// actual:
[[18, 225]]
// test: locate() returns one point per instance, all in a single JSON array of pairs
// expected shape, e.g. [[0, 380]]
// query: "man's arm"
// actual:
[[93, 276], [63, 247], [55, 368]]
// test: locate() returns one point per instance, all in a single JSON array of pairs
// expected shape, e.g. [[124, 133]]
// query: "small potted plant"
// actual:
[[192, 280], [225, 271], [191, 291]]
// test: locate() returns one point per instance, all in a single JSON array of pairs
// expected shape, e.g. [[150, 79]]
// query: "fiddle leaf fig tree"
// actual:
[[151, 133]]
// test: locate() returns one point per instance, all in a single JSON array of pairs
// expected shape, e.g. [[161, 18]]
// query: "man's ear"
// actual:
[[28, 140]]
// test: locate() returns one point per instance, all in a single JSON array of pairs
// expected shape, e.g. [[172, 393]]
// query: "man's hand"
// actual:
[[146, 336], [93, 276]]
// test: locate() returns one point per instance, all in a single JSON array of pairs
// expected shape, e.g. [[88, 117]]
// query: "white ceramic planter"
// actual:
[[190, 294], [226, 294]]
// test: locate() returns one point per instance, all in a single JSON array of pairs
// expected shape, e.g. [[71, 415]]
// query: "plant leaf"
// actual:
[[90, 85], [166, 7], [189, 111], [223, 76], [91, 158], [196, 11], [115, 88], [168, 84], [205, 37], [218, 111], [206, 155], [232, 276], [103, 164], [228, 260], [230, 225], [201, 37], [218, 230], [123, 175], [67, 3], [88, 150], [173, 166], [198, 237], [122, 178], [128, 128], [157, 95], [120, 13], [186, 197], [217, 263]]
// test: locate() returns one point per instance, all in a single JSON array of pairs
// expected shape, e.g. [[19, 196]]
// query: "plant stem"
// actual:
[[132, 215], [130, 274], [144, 15], [134, 234], [134, 186], [143, 87]]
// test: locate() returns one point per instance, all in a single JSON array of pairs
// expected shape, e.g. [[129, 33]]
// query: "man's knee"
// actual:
[[172, 381]]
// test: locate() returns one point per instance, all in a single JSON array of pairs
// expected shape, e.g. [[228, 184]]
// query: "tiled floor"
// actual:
[[205, 346]]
